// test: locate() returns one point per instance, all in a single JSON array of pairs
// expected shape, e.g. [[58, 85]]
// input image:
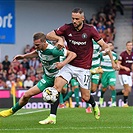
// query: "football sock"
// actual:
[[54, 107], [119, 93], [87, 105], [61, 98], [16, 107], [102, 93], [125, 99], [69, 94], [76, 93], [92, 101], [113, 96]]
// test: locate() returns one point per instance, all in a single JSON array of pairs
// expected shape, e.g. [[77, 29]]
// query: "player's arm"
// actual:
[[28, 55], [53, 37], [106, 48], [70, 56], [123, 67]]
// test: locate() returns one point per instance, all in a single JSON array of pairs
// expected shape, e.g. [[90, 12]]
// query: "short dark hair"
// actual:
[[128, 42], [78, 10], [111, 43], [39, 35]]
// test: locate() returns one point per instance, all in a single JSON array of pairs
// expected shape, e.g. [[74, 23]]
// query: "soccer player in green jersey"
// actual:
[[74, 90], [50, 58], [108, 78], [96, 70]]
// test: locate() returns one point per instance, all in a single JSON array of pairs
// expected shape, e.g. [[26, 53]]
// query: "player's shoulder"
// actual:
[[89, 25]]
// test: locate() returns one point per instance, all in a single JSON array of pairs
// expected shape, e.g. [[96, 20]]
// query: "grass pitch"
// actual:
[[70, 120]]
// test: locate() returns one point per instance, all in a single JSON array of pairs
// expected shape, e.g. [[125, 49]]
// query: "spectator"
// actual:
[[36, 80], [100, 26], [21, 76], [8, 82], [21, 68], [19, 83], [32, 76], [6, 63], [1, 68], [2, 84], [12, 69], [31, 70], [39, 69], [27, 49], [25, 63], [28, 83], [34, 62]]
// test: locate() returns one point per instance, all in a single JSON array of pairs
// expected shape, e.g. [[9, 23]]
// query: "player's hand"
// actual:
[[60, 46], [59, 65], [107, 50], [127, 69], [117, 67], [18, 57]]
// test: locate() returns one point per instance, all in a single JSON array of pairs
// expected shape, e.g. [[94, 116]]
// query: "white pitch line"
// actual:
[[65, 128], [31, 112]]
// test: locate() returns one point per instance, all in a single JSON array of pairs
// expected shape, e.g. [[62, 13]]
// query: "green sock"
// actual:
[[69, 94], [87, 105], [76, 93], [102, 93], [113, 96], [16, 107], [61, 98]]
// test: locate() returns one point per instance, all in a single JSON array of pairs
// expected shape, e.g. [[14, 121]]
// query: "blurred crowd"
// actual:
[[27, 73]]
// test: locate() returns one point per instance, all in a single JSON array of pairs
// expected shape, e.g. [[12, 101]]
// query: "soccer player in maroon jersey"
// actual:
[[78, 36], [126, 63]]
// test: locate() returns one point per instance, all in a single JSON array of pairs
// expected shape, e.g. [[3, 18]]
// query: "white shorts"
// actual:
[[82, 75], [125, 79]]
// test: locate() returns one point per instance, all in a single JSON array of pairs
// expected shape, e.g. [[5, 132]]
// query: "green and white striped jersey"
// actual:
[[106, 62], [49, 57], [96, 55]]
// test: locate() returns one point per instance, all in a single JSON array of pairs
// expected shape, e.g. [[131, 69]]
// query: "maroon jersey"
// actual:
[[80, 42], [126, 60]]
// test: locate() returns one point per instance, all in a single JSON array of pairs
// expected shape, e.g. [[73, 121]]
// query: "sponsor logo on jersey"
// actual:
[[77, 43]]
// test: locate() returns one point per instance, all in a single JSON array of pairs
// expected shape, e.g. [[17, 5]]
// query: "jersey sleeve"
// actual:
[[95, 34], [61, 30], [57, 52]]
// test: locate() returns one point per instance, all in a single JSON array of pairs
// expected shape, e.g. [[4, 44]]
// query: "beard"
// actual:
[[77, 26]]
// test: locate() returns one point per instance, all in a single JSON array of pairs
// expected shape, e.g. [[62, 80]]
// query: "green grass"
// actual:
[[70, 120]]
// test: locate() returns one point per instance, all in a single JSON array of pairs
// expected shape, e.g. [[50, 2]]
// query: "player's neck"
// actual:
[[129, 51], [45, 46], [80, 27]]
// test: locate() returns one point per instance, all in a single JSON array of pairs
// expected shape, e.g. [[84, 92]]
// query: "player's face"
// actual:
[[38, 44], [77, 20], [111, 46], [129, 46]]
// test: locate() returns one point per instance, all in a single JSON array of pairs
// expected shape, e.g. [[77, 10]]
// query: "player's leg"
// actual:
[[51, 119], [75, 88], [62, 95], [22, 101], [112, 83], [84, 81], [104, 82], [94, 85], [126, 81]]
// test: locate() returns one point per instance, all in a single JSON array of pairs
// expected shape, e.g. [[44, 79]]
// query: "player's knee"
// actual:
[[27, 95], [58, 88], [86, 97]]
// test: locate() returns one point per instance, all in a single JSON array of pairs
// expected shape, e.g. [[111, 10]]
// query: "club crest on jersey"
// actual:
[[84, 35]]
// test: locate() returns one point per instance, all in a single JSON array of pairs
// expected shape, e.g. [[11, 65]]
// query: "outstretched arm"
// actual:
[[28, 55]]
